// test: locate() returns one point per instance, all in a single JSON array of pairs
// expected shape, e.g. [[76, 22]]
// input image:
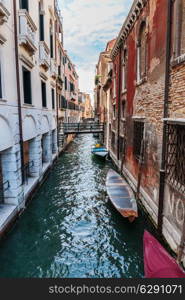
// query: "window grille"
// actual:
[[138, 137], [175, 166]]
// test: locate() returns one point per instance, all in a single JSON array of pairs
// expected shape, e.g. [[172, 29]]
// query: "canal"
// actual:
[[70, 230]]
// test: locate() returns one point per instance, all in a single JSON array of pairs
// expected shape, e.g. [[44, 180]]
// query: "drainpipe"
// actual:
[[119, 102], [18, 90], [165, 115]]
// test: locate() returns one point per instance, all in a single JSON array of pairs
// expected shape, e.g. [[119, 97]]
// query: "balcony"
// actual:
[[27, 32], [44, 55], [4, 13], [53, 68]]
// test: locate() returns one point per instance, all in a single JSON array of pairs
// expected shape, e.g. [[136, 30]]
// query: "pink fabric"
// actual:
[[157, 262]]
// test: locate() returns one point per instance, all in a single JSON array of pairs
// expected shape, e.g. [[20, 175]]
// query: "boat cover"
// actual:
[[157, 261]]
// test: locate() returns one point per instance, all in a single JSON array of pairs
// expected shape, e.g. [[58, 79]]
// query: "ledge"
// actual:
[[180, 121], [28, 62], [124, 92], [3, 100], [27, 105], [2, 39], [178, 61], [141, 118], [4, 14]]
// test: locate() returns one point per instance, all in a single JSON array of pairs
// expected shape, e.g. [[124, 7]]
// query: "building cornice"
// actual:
[[135, 11]]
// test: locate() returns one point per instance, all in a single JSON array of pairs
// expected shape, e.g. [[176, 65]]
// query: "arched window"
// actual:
[[141, 52], [124, 70], [179, 28]]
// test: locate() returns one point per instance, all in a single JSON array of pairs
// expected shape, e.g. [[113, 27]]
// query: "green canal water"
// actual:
[[70, 230]]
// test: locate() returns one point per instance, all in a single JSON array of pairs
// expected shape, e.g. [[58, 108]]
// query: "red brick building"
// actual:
[[147, 110]]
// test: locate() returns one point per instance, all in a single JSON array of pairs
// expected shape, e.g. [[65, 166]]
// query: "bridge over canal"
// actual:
[[82, 128]]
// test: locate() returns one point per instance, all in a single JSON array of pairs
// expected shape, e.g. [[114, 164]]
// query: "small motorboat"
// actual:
[[158, 263], [99, 150], [121, 196]]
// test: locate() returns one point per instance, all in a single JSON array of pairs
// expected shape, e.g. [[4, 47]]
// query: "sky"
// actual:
[[88, 26]]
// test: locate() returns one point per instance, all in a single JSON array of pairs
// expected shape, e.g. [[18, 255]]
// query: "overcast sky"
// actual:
[[88, 26]]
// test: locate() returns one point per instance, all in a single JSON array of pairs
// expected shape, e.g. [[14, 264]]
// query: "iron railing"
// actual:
[[175, 162]]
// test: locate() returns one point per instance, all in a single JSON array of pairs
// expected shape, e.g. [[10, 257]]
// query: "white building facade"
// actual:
[[28, 100]]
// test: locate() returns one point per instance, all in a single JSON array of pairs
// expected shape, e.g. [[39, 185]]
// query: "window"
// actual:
[[141, 53], [24, 4], [179, 28], [64, 60], [175, 157], [114, 111], [66, 83], [51, 41], [53, 98], [71, 87], [138, 138], [124, 70], [59, 70], [63, 102], [41, 21], [43, 90], [113, 141], [27, 86]]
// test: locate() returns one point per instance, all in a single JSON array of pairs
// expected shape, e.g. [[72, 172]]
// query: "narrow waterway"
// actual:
[[70, 230]]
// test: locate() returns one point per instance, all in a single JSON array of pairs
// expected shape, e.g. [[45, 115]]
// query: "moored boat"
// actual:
[[99, 150], [158, 263], [121, 195]]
